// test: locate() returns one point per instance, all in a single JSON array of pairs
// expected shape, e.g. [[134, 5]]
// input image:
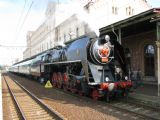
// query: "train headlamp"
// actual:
[[126, 78], [118, 70], [107, 38], [107, 79], [111, 86]]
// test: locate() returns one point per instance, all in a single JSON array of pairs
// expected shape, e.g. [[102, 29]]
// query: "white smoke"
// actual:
[[76, 7]]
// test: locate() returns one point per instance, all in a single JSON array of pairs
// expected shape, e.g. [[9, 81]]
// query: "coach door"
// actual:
[[149, 53]]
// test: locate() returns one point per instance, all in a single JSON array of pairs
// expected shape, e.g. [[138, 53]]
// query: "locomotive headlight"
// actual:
[[118, 70], [126, 78], [107, 38], [107, 79], [111, 86]]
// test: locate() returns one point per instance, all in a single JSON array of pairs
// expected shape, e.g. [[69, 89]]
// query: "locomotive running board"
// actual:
[[93, 83], [64, 62]]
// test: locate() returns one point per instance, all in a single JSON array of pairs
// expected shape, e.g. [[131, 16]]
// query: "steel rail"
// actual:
[[136, 113], [20, 111], [54, 113], [135, 102]]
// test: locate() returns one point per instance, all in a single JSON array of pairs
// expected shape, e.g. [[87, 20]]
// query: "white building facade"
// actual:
[[106, 12], [61, 27]]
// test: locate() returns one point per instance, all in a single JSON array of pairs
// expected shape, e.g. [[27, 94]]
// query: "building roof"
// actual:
[[151, 15]]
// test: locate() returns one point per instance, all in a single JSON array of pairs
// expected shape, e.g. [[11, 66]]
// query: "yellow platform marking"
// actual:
[[48, 84]]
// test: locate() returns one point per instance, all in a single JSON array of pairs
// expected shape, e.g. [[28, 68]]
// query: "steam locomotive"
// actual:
[[94, 67]]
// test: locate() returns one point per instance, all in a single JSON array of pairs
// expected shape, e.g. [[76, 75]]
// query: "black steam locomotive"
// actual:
[[94, 67]]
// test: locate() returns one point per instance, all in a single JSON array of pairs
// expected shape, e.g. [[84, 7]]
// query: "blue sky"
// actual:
[[154, 3]]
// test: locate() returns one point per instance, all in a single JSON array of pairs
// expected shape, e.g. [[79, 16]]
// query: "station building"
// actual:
[[140, 36]]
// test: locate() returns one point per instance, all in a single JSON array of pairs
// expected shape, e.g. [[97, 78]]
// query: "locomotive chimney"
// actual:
[[104, 39], [92, 35]]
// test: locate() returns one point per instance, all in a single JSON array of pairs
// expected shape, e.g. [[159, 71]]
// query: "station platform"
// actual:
[[147, 94], [1, 111]]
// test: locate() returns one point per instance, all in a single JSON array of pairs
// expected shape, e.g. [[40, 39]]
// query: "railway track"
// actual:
[[143, 111], [28, 106], [146, 112]]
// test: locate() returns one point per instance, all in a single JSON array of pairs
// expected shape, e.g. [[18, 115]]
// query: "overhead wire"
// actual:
[[23, 22], [21, 16], [26, 16]]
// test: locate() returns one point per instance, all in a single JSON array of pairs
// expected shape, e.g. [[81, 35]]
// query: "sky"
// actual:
[[154, 3], [19, 16]]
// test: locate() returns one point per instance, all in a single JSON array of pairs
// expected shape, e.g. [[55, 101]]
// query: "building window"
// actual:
[[77, 32], [129, 11], [42, 47], [64, 37], [149, 53], [149, 50], [132, 11], [114, 10], [47, 45], [50, 44], [70, 35]]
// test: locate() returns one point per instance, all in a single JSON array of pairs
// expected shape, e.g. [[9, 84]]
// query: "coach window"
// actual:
[[42, 58], [77, 32], [149, 52], [64, 37]]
